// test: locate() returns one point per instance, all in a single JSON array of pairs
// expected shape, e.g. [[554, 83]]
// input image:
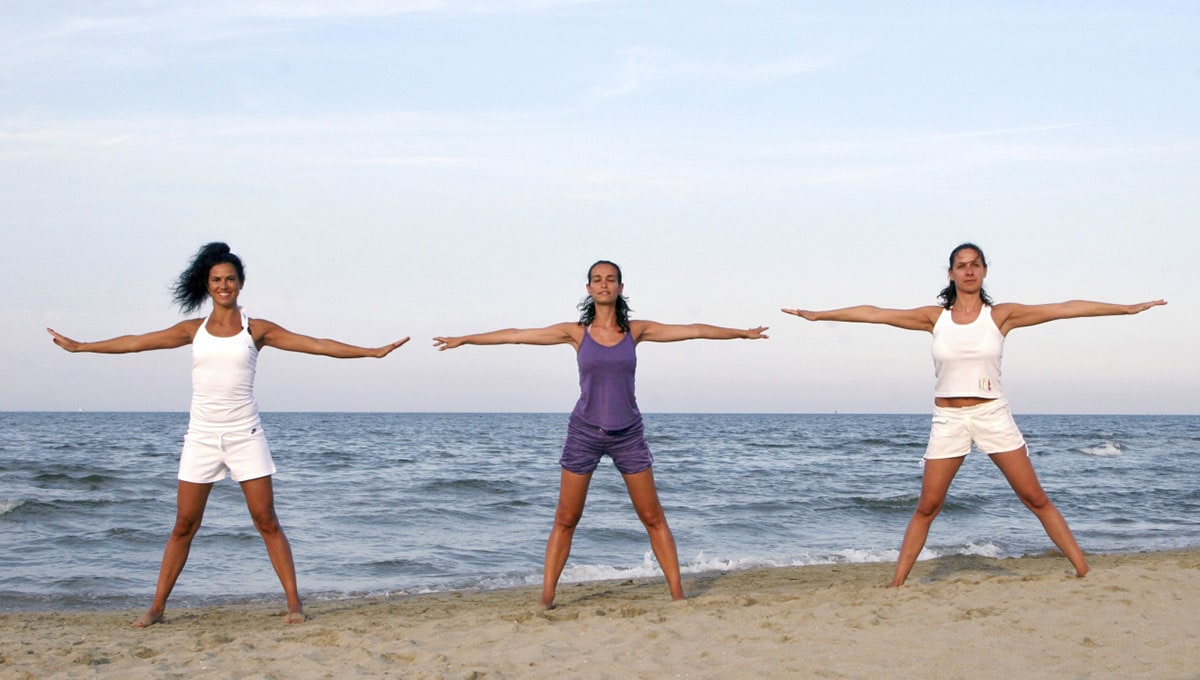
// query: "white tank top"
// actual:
[[966, 357], [223, 381]]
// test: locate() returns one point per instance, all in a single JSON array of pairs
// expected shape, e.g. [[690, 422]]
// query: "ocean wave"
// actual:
[[92, 481], [899, 502], [966, 502], [38, 507], [972, 548], [1107, 448], [704, 564], [580, 573], [474, 484], [397, 564]]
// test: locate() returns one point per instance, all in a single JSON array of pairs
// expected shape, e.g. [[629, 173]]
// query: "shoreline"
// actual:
[[959, 617]]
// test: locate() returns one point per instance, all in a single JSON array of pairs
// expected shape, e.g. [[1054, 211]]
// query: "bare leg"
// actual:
[[935, 482], [1018, 470], [572, 493], [260, 500], [190, 500], [645, 500]]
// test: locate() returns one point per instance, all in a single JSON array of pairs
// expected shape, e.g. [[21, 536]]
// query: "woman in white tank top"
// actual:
[[224, 432], [969, 402]]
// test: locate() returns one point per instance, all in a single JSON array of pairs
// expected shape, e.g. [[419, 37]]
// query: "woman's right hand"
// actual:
[[169, 338], [63, 341]]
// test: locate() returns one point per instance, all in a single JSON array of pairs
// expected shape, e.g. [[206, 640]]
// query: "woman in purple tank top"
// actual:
[[606, 420], [224, 434]]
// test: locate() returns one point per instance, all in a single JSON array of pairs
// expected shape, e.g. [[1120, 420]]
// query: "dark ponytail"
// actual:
[[191, 288]]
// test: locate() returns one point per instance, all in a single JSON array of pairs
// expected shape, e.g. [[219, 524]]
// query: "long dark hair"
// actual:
[[587, 307], [192, 286], [950, 293]]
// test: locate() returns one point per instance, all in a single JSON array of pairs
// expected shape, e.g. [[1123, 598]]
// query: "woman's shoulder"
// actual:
[[258, 327], [571, 329], [190, 325], [1001, 310], [933, 313]]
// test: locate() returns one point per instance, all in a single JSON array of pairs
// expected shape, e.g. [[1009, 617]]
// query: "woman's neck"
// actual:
[[970, 303], [223, 313], [606, 317]]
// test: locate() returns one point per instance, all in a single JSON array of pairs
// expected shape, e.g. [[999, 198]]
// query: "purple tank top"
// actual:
[[606, 396]]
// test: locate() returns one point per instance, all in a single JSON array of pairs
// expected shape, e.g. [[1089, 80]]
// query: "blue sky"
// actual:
[[439, 168]]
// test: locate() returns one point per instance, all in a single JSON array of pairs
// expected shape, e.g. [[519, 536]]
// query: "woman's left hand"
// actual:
[[381, 352]]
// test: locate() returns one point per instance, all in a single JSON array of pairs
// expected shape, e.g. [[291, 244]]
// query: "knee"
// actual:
[[652, 516], [567, 519], [1036, 501], [928, 509], [186, 526], [266, 522]]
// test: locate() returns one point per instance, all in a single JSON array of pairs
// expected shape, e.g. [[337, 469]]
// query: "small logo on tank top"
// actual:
[[985, 384]]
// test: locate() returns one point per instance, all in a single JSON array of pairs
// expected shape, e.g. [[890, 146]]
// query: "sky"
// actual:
[[422, 168]]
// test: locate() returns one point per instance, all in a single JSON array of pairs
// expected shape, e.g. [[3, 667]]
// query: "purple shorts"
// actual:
[[587, 444]]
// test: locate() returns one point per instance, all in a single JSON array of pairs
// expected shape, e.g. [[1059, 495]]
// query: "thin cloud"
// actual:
[[643, 69], [332, 9], [127, 34], [444, 161]]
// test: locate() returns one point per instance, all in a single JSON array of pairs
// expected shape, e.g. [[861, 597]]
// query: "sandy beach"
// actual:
[[1134, 616]]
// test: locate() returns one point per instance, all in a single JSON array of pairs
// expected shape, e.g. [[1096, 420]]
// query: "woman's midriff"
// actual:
[[959, 402]]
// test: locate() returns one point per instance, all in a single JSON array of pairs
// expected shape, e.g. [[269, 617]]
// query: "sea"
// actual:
[[388, 504]]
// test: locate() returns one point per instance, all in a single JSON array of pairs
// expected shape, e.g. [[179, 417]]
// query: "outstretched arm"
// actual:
[[559, 333], [169, 338], [268, 334], [1011, 315], [652, 331], [918, 319]]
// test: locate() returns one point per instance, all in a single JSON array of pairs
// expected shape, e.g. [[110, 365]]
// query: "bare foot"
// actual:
[[545, 606], [149, 619], [295, 617]]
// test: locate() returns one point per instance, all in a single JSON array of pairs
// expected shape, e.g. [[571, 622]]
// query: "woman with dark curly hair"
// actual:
[[970, 408], [224, 432], [606, 420]]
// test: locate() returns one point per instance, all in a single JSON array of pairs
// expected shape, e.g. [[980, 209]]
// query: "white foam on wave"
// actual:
[[586, 573], [8, 506], [510, 581], [1107, 448], [579, 573], [703, 564], [980, 549], [846, 556]]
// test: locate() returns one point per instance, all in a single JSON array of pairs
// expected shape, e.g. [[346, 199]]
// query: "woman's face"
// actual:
[[968, 271], [603, 285], [223, 284]]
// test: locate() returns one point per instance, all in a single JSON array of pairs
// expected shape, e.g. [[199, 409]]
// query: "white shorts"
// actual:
[[207, 456], [989, 426]]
